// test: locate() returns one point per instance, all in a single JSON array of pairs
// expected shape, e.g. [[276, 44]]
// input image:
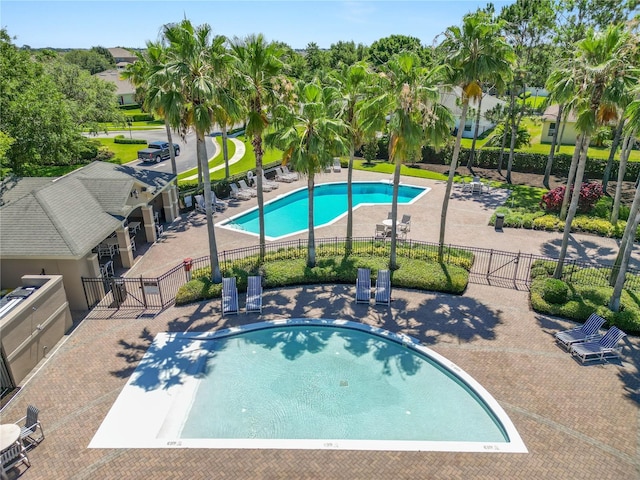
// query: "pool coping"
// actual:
[[132, 419], [228, 221]]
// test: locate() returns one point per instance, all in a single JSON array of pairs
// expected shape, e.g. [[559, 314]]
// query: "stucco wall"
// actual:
[[32, 328], [568, 138]]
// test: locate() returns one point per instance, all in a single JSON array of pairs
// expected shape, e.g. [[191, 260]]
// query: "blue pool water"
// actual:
[[288, 214], [313, 381]]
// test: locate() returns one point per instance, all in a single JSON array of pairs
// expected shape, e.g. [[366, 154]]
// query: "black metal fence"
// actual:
[[485, 266]]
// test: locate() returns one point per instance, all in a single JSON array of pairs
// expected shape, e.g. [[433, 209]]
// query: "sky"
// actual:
[[130, 24]]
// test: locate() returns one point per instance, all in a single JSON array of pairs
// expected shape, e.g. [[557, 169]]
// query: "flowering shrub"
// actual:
[[590, 193]]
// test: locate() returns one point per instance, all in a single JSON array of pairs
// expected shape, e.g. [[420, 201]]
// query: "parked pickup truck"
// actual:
[[157, 151]]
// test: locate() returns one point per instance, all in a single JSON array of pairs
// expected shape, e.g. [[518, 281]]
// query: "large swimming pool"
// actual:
[[288, 214], [300, 383]]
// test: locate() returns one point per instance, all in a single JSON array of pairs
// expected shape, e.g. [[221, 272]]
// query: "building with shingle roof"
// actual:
[[55, 225]]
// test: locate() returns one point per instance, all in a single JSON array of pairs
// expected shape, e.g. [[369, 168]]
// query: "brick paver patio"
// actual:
[[577, 421]]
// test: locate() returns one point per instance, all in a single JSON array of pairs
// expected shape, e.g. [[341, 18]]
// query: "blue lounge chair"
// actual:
[[229, 295], [254, 294], [383, 287], [363, 286], [584, 333], [604, 348]]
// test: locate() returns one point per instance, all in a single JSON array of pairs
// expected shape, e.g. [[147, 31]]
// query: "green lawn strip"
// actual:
[[413, 273], [122, 152], [408, 170], [217, 160]]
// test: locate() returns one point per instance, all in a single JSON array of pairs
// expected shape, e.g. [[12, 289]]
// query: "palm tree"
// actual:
[[194, 62], [353, 83], [409, 97], [602, 57], [160, 95], [476, 53], [310, 134], [258, 69]]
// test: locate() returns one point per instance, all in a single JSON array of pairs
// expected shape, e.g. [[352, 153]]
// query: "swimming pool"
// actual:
[[288, 214], [300, 383]]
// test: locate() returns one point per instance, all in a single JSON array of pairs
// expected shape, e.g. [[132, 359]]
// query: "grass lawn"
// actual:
[[123, 153], [386, 167]]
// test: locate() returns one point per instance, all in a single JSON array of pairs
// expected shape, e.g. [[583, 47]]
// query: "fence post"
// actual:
[[489, 263], [144, 294], [515, 270]]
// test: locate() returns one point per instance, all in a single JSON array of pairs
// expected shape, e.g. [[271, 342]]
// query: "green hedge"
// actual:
[[129, 141], [413, 273], [140, 117], [524, 162]]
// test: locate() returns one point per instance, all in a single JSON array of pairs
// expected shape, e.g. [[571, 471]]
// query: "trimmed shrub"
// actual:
[[140, 117], [554, 291], [590, 193], [129, 141]]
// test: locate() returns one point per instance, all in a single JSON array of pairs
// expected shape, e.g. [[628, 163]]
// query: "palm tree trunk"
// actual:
[[628, 238], [514, 136], [475, 138], [547, 170], [311, 242], [216, 276], [393, 263], [502, 146], [257, 148], [572, 171], [225, 151], [348, 244], [612, 153], [564, 124], [172, 153], [452, 172], [614, 302], [572, 209], [622, 168]]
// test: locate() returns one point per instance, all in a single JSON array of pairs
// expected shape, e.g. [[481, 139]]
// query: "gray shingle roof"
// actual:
[[70, 215]]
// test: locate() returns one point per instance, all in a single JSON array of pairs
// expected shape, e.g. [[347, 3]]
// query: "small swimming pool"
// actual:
[[288, 214], [300, 383]]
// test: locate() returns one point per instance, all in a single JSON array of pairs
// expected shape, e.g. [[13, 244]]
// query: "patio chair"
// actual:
[[105, 250], [586, 332], [269, 183], [381, 231], [245, 188], [31, 426], [188, 202], [605, 347], [254, 294], [282, 177], [239, 194], [13, 456], [217, 204], [336, 165], [363, 286], [229, 296], [286, 171], [383, 287], [200, 205]]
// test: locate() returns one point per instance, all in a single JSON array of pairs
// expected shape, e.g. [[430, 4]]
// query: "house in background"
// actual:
[[452, 100], [58, 226], [125, 91], [121, 55], [567, 128]]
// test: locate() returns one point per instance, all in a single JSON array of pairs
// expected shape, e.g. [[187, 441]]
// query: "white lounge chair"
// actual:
[[286, 171], [200, 205], [586, 332], [281, 177], [336, 165], [239, 194], [363, 286], [246, 188], [229, 296], [605, 347], [383, 287], [216, 203], [188, 202], [269, 183], [254, 294]]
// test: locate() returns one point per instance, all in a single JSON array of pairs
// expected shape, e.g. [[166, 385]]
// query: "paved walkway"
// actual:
[[577, 421], [237, 156]]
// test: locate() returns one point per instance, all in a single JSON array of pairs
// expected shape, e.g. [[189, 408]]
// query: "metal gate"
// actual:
[[502, 269], [133, 293]]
